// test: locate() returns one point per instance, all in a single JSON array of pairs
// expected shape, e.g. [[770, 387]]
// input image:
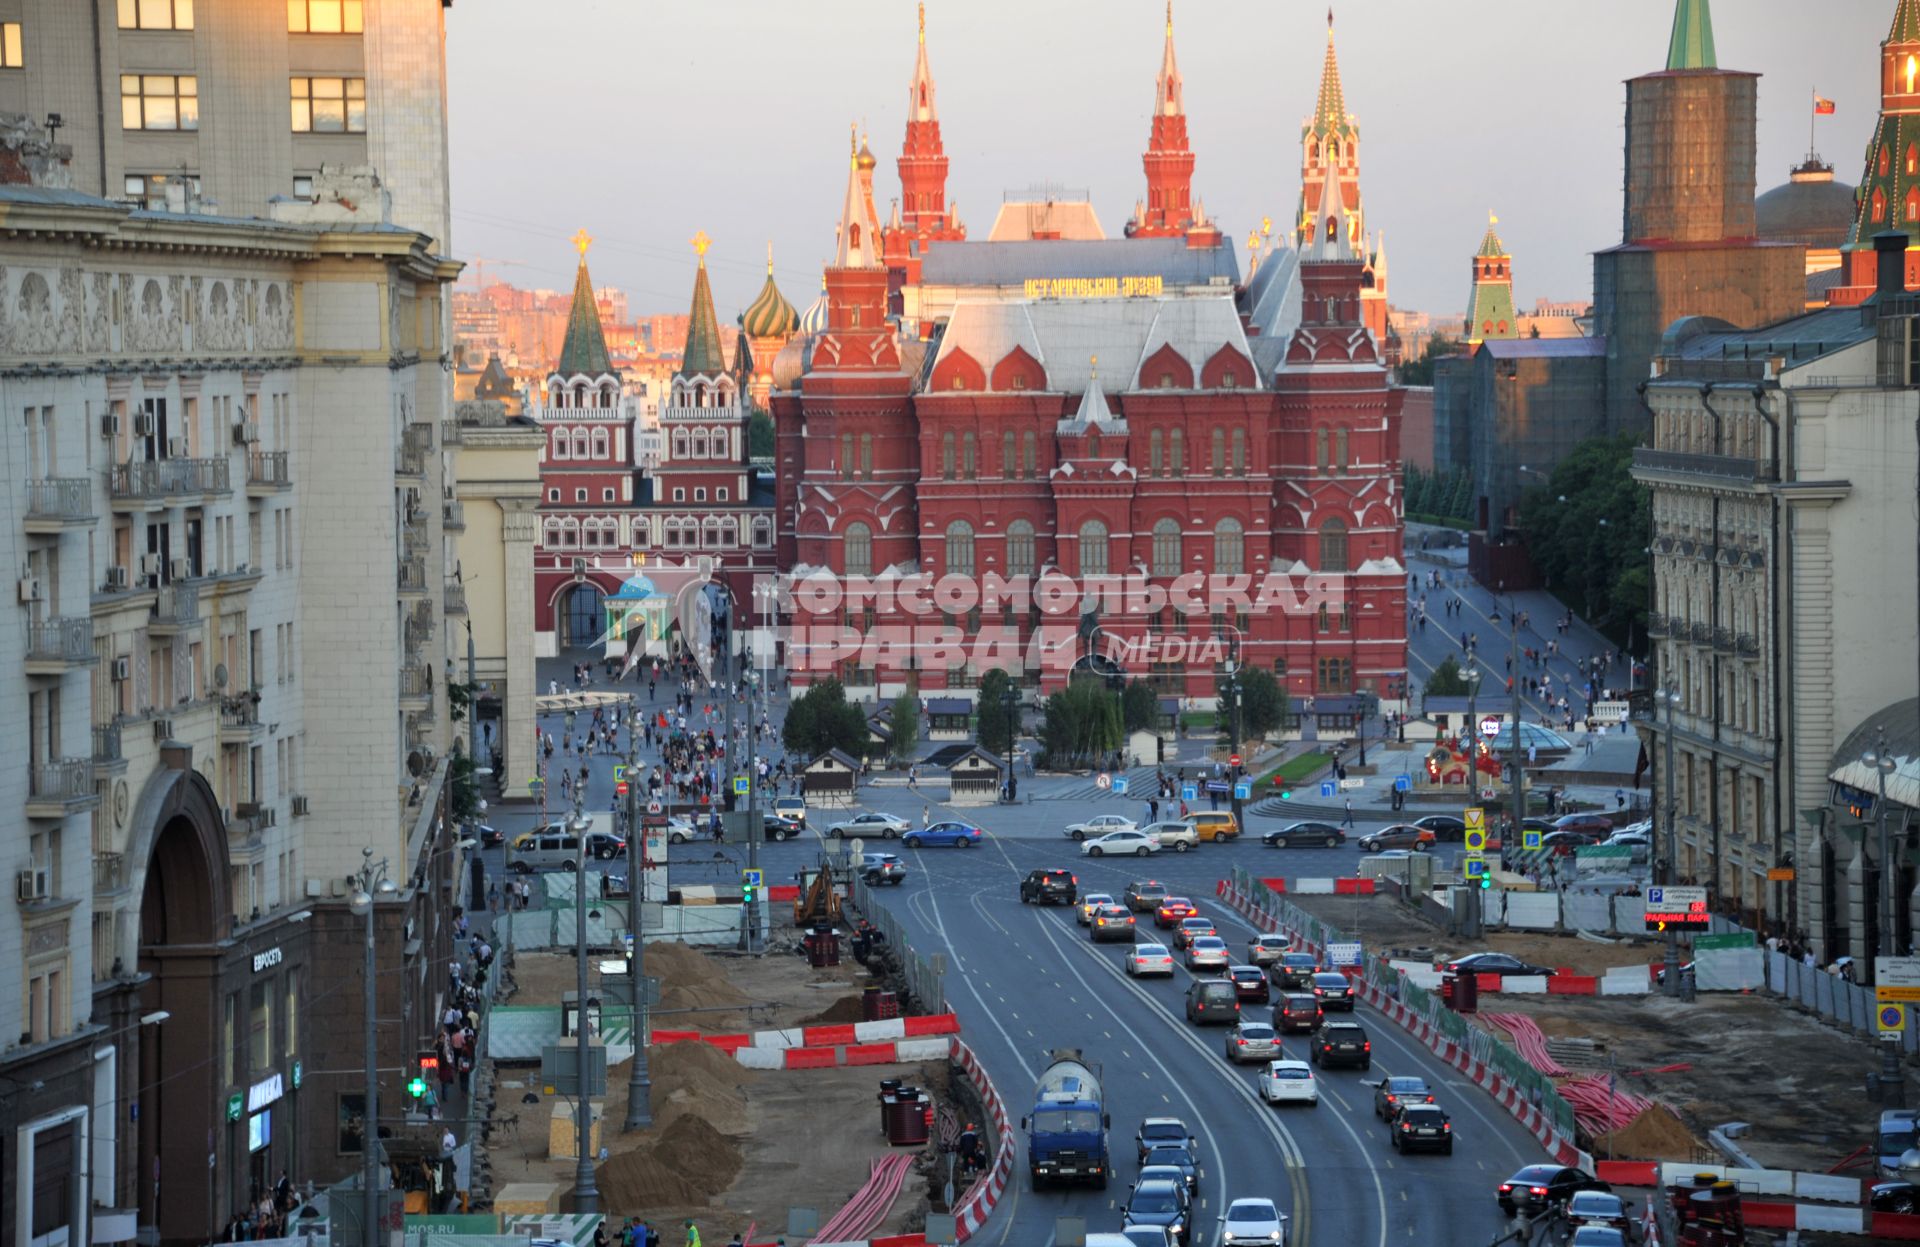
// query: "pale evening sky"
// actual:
[[644, 121]]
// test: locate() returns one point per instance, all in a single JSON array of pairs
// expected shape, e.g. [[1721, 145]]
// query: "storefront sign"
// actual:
[[1094, 287], [264, 1092], [236, 1108], [259, 1130], [296, 1075], [266, 960]]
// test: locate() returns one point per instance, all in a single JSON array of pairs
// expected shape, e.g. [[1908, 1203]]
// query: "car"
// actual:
[[1567, 843], [1343, 1043], [1250, 1221], [1134, 1236], [1208, 952], [1600, 1208], [1111, 922], [1903, 1197], [1391, 1096], [1176, 1155], [1536, 1189], [1250, 982], [1304, 835], [491, 837], [1192, 928], [1264, 950], [1296, 1012], [1334, 990], [775, 829], [1421, 1126], [1687, 973], [1294, 970], [1445, 827], [1160, 1169], [1398, 836], [1494, 963], [1597, 1236], [1289, 1082], [1252, 1041], [1176, 835], [1100, 825], [1150, 959], [943, 835], [680, 829], [1159, 1203], [1143, 895], [1052, 885], [1214, 824], [1599, 826], [1128, 843], [1172, 911], [1088, 902], [791, 810], [872, 823], [615, 887], [1157, 1131], [878, 868], [1211, 1001]]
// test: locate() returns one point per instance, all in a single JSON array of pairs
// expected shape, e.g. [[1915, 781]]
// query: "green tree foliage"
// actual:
[[1263, 703], [995, 724], [1139, 707], [821, 719], [1083, 723], [1587, 533], [1420, 371], [1447, 679], [760, 435], [905, 720], [1437, 495]]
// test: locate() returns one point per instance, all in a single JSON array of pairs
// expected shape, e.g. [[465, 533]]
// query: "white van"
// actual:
[[548, 849]]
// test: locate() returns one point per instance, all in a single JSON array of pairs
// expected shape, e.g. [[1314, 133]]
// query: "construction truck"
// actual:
[[818, 900], [1067, 1127]]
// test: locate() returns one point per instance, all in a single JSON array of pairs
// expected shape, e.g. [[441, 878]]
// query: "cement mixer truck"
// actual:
[[1067, 1127]]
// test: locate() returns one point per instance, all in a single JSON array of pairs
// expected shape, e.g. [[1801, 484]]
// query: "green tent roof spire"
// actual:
[[1691, 46], [583, 352], [704, 353], [1330, 110], [1906, 23], [1491, 247]]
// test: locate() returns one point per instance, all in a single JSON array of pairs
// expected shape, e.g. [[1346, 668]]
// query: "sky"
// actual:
[[646, 121]]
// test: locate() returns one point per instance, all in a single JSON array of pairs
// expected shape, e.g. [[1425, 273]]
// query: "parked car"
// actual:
[[1494, 963], [1597, 825], [1398, 836], [1100, 825], [1054, 885], [1289, 1082], [1304, 835], [872, 823], [940, 835], [1126, 843], [879, 868], [1150, 959], [491, 837], [1895, 1197]]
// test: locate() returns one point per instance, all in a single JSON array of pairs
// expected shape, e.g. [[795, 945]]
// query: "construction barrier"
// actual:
[[1278, 885], [1353, 887], [971, 1213], [820, 1036]]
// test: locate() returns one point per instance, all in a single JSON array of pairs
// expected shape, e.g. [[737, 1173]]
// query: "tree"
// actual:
[[1139, 707], [760, 435], [1083, 722], [1587, 532], [995, 730], [1263, 704], [821, 719], [1420, 371], [1447, 679], [905, 718]]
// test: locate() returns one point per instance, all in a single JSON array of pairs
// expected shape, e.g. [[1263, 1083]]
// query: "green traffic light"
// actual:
[[417, 1088], [1286, 794]]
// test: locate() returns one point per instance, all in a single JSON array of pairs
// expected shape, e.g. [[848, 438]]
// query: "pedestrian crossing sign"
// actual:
[[739, 785], [1530, 838], [619, 772], [1473, 866]]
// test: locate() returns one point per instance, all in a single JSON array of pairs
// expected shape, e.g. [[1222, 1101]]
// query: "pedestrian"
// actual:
[[493, 896], [1348, 820], [926, 816], [693, 1235], [448, 1144]]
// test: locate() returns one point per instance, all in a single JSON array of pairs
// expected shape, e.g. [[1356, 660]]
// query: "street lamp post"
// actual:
[[1233, 724], [639, 1084], [1518, 785], [1892, 1085], [371, 883], [754, 829], [586, 1196], [1671, 838]]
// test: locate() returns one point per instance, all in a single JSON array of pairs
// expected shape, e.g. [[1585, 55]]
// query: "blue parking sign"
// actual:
[[1189, 792], [1120, 785], [1403, 783], [740, 785], [1326, 789], [1530, 839], [1243, 792]]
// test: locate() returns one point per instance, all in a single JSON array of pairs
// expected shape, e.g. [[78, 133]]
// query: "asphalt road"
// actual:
[[1027, 979]]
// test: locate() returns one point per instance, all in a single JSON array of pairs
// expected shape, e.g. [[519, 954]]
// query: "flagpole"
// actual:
[[1812, 117]]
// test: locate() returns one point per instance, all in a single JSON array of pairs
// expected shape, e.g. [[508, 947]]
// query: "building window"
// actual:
[[960, 548], [1880, 199], [1093, 548], [303, 186], [1156, 459], [1333, 546], [1008, 466], [1228, 380], [866, 455], [699, 493], [12, 55], [1093, 444], [1239, 451], [1166, 547], [1229, 548], [1020, 548], [1219, 452], [1913, 204], [606, 495], [1177, 451], [324, 17], [149, 190], [859, 549], [159, 102], [966, 456], [679, 494], [946, 456], [553, 495], [156, 14], [1336, 675], [329, 105], [1340, 452], [599, 443], [1027, 457], [719, 493], [579, 495], [582, 448], [1320, 449]]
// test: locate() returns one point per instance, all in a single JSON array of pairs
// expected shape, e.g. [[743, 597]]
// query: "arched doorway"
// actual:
[[582, 616], [185, 914]]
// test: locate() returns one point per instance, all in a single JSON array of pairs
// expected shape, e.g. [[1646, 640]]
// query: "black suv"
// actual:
[[1143, 895], [1421, 1126], [1541, 1188], [1294, 971], [1049, 887], [1341, 1043]]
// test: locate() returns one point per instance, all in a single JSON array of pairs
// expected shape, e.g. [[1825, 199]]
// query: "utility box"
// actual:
[[563, 1132]]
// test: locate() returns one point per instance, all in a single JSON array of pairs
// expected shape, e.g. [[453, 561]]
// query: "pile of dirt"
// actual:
[[689, 981], [1655, 1134], [839, 1013], [694, 1079], [684, 1167]]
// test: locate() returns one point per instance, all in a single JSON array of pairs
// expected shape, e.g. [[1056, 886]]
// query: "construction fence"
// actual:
[[925, 976]]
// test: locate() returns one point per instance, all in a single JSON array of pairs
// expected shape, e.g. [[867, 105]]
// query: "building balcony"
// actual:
[[106, 747], [55, 646], [1747, 645], [149, 484], [55, 504], [409, 461], [267, 473], [1672, 465], [450, 433], [176, 608], [416, 685], [109, 873], [453, 515], [413, 577], [57, 789], [456, 598], [240, 719], [1656, 625], [415, 540], [1700, 634], [1723, 640]]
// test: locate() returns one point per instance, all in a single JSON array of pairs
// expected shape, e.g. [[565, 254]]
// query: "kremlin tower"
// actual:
[[923, 216], [1490, 306], [1330, 186], [1889, 194], [1168, 211]]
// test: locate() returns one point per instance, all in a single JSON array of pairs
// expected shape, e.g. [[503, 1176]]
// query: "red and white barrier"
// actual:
[[837, 1036], [890, 1052], [974, 1207]]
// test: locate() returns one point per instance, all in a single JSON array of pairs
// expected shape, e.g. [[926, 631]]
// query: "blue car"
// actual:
[[956, 835]]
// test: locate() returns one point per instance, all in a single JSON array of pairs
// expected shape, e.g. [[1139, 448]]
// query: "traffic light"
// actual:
[[749, 886], [1286, 792], [1486, 881]]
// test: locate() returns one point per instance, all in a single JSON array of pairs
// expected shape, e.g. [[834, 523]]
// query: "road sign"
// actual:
[[653, 807], [1779, 874], [751, 876], [1347, 954], [1120, 785], [1103, 781], [1218, 787], [1530, 838], [620, 789], [619, 771], [1233, 759], [536, 784], [1326, 788], [1403, 783], [1474, 817], [1473, 865], [1476, 840], [1355, 782], [1676, 900], [1189, 792], [1490, 726], [739, 785], [1243, 792], [1892, 1018], [1896, 979]]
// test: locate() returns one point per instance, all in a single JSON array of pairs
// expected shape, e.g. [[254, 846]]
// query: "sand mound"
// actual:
[[689, 981], [638, 1180], [840, 1012], [1655, 1134], [693, 1079], [684, 1167]]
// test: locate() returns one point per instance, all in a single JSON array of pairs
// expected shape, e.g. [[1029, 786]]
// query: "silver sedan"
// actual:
[[1253, 1041], [1208, 952]]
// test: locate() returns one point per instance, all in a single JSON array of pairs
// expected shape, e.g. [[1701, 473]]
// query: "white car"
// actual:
[[1090, 901], [872, 823], [1250, 1221], [1289, 1082], [1125, 843], [1176, 836], [1149, 959], [1100, 825]]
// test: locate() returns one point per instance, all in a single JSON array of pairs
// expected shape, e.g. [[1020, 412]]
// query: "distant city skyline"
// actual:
[[646, 123]]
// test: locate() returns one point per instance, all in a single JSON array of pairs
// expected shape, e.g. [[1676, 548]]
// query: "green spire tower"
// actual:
[[1490, 304], [705, 354], [1691, 46], [583, 352]]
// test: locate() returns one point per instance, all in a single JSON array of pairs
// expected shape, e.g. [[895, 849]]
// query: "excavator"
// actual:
[[819, 898]]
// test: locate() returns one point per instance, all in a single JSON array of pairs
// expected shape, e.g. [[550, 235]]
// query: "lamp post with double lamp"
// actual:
[[639, 1084], [1473, 730], [1883, 764], [1518, 778], [370, 884], [586, 1195], [1670, 696]]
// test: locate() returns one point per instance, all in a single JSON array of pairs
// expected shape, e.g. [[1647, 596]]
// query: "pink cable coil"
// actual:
[[1596, 1110], [1529, 1040], [869, 1205]]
